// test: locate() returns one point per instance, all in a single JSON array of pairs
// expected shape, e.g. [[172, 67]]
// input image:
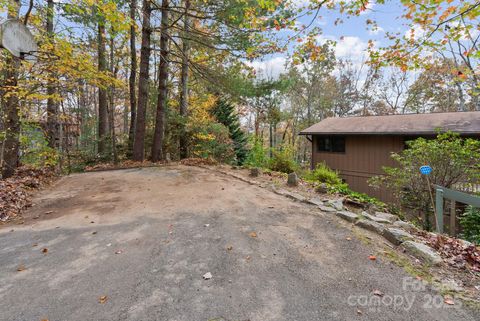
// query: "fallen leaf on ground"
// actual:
[[206, 225], [102, 299], [248, 258], [119, 252], [378, 293], [229, 248], [449, 301], [207, 276], [94, 232], [349, 238], [21, 268], [359, 312], [455, 252], [48, 212], [372, 257], [253, 234], [15, 191], [45, 250]]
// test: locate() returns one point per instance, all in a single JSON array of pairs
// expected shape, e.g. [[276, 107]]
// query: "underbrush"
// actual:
[[323, 174], [470, 222], [283, 161], [335, 185], [363, 198]]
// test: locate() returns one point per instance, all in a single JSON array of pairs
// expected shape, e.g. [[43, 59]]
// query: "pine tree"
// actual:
[[224, 113]]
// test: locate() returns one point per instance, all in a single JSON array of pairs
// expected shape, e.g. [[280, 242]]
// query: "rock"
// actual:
[[280, 191], [336, 204], [390, 217], [349, 201], [422, 251], [327, 209], [315, 201], [409, 227], [374, 218], [292, 179], [207, 276], [255, 172], [296, 197], [466, 243], [451, 285], [348, 216], [322, 188], [397, 236], [371, 226]]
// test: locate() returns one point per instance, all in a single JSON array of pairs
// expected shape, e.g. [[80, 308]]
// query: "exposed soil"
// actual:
[[134, 244]]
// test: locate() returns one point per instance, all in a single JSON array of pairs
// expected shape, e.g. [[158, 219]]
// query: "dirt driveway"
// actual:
[[140, 241]]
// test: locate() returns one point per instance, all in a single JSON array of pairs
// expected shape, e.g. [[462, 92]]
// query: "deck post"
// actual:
[[439, 210], [453, 218]]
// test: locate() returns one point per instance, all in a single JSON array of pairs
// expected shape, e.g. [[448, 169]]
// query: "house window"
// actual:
[[332, 144]]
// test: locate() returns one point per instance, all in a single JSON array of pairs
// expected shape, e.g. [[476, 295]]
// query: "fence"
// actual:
[[454, 196], [472, 188]]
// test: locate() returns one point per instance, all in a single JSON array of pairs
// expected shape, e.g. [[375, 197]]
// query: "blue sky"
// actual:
[[351, 36]]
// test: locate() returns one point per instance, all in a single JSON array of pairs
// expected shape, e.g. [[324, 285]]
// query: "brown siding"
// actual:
[[364, 157]]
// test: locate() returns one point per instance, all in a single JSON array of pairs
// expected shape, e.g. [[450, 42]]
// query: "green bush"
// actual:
[[34, 148], [212, 141], [225, 113], [257, 155], [470, 222], [453, 160], [283, 161], [323, 174], [343, 189]]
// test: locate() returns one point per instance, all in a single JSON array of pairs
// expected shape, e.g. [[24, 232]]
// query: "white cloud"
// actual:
[[270, 68], [350, 46], [375, 31]]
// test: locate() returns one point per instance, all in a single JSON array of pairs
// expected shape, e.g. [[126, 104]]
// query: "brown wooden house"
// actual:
[[358, 147]]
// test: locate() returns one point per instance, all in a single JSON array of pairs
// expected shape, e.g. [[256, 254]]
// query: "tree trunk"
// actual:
[[102, 92], [11, 107], [114, 71], [184, 82], [133, 75], [157, 151], [270, 139], [139, 139], [51, 104]]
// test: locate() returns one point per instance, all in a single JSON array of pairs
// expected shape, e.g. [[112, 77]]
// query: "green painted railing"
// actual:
[[455, 196]]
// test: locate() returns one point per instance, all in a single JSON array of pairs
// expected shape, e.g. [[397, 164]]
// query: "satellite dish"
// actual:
[[18, 40]]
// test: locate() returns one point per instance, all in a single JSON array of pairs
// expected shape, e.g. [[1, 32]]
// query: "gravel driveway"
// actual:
[[134, 245]]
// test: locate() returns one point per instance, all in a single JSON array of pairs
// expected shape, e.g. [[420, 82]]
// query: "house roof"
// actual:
[[407, 124]]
